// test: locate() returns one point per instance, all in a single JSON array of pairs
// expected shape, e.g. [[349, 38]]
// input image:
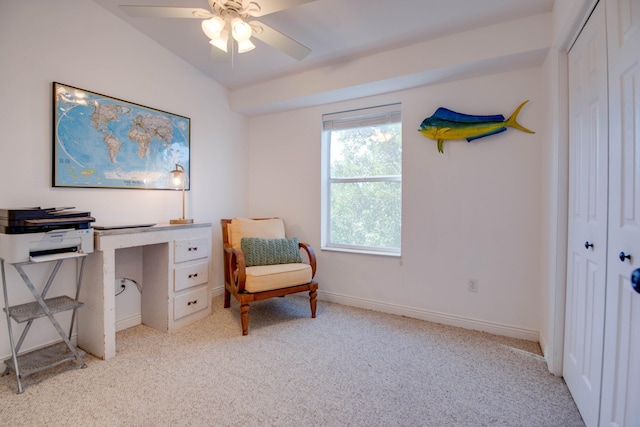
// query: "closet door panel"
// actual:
[[587, 227], [621, 370], [621, 377]]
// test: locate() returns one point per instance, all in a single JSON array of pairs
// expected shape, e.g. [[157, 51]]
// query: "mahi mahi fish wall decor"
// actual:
[[445, 124]]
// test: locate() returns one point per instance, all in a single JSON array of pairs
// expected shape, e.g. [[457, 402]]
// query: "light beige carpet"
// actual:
[[347, 367]]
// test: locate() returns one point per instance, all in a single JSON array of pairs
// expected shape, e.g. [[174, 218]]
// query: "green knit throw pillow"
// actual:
[[258, 251]]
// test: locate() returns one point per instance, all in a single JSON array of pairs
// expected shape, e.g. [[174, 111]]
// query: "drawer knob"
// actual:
[[191, 276], [195, 301], [193, 249]]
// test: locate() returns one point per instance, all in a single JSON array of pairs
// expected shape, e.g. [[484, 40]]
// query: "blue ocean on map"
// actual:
[[102, 142]]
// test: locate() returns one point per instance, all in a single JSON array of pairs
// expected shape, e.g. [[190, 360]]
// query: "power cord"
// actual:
[[123, 285]]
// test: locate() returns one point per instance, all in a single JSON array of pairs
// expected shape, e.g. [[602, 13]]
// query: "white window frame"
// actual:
[[372, 116]]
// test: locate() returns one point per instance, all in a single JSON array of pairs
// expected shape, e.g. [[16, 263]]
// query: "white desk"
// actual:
[[175, 275]]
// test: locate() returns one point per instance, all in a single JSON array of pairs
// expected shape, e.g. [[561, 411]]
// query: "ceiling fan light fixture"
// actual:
[[213, 27], [245, 46], [240, 30], [229, 21], [222, 41]]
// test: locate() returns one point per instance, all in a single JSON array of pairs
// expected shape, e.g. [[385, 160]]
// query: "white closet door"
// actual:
[[587, 244], [621, 379]]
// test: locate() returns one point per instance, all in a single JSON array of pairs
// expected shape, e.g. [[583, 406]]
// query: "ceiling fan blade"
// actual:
[[279, 41], [271, 6], [165, 12]]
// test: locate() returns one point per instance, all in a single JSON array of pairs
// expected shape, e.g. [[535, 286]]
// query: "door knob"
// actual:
[[588, 245], [624, 256], [635, 280]]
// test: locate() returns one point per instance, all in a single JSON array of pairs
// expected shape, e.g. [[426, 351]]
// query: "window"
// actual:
[[362, 180]]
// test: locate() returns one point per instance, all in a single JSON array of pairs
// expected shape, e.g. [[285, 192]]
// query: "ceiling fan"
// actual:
[[230, 20]]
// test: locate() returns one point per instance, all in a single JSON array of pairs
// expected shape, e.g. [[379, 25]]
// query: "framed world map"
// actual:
[[105, 142]]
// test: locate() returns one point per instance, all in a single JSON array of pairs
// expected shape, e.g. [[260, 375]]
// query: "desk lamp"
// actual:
[[179, 180]]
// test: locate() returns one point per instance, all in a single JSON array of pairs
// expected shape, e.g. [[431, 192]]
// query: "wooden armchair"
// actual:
[[270, 265]]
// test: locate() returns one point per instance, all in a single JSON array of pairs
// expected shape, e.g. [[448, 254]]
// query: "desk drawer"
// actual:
[[188, 249], [190, 303], [190, 275]]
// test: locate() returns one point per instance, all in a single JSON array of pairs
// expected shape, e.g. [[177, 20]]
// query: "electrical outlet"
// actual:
[[472, 285]]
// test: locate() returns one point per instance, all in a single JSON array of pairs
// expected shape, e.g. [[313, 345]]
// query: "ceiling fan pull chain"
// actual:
[[233, 54]]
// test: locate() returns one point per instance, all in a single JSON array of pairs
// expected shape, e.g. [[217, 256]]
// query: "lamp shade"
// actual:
[[240, 30], [245, 46], [212, 27], [222, 41], [179, 180], [218, 29]]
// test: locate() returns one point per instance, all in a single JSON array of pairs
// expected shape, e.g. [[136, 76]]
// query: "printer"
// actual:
[[38, 235]]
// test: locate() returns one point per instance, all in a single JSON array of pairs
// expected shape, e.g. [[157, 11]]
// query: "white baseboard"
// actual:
[[128, 322], [544, 346], [433, 316]]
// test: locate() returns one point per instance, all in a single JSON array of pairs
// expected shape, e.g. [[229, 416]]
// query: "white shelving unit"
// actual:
[[28, 363]]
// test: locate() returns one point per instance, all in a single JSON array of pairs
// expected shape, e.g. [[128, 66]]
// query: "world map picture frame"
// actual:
[[105, 142]]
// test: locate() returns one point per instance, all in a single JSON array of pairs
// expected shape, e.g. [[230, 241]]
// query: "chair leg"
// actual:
[[227, 298], [312, 302], [244, 318]]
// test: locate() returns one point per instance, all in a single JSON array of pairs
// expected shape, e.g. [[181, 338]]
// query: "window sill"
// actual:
[[361, 251]]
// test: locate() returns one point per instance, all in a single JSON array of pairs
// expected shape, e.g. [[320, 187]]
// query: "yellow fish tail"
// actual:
[[511, 121]]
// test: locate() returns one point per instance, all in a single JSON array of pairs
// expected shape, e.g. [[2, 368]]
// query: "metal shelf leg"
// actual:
[[14, 352]]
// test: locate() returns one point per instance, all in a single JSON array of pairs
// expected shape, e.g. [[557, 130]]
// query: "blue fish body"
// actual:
[[446, 124]]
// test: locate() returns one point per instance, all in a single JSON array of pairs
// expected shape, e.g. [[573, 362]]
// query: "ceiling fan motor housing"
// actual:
[[236, 6]]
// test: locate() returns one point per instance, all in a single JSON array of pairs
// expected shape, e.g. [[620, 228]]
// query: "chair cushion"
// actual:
[[272, 228], [268, 277], [259, 251]]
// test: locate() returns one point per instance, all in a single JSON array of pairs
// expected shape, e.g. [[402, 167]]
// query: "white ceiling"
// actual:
[[335, 30]]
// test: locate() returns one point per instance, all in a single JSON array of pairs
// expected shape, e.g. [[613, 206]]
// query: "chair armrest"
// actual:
[[311, 255], [236, 266]]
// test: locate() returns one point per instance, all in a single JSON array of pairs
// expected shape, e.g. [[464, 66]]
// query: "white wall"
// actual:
[[78, 43], [474, 212]]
